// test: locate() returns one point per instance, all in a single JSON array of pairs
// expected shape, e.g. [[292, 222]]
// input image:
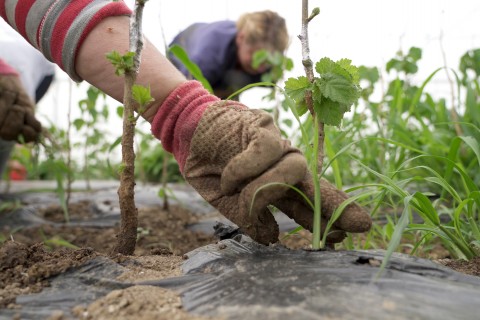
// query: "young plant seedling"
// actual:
[[128, 66], [327, 96]]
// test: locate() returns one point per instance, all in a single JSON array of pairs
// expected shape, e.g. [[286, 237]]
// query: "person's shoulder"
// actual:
[[213, 35], [208, 28], [225, 26]]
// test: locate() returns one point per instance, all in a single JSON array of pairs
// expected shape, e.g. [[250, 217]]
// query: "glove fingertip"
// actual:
[[354, 219], [28, 134], [336, 236], [31, 121]]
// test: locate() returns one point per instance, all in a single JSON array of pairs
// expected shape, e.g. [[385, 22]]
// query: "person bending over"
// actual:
[[224, 50]]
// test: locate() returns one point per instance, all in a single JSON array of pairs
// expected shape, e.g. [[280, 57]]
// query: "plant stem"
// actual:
[[319, 137], [127, 236], [166, 157], [69, 154], [316, 182]]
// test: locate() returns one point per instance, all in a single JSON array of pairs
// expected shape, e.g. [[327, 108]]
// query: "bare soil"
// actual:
[[31, 256]]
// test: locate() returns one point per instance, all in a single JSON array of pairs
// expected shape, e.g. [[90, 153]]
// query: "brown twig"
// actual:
[[127, 237]]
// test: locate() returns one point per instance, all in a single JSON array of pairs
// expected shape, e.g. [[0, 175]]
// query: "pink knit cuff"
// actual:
[[6, 69], [178, 117]]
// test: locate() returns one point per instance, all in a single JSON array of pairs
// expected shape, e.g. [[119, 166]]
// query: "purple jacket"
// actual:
[[212, 47]]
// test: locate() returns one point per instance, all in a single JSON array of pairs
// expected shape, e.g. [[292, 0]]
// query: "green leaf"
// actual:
[[410, 67], [57, 241], [330, 112], [288, 64], [397, 235], [122, 63], [114, 56], [317, 95], [426, 209], [415, 53], [141, 94], [370, 74], [194, 70], [259, 57], [346, 64], [342, 68], [295, 87], [251, 85], [161, 193], [120, 111], [78, 123], [288, 122], [325, 65], [394, 64], [338, 89]]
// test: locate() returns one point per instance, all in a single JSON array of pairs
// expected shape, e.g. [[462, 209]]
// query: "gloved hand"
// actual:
[[227, 152], [17, 120]]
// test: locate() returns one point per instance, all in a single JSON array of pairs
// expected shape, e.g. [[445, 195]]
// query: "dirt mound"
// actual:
[[24, 269], [41, 251]]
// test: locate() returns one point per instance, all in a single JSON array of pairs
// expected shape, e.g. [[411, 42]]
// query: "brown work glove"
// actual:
[[227, 152], [17, 120]]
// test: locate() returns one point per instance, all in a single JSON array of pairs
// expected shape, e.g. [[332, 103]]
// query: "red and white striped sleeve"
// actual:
[[58, 27], [6, 69]]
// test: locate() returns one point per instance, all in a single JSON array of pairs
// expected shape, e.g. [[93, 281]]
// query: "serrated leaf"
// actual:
[[328, 66], [127, 58], [295, 88], [122, 63], [338, 89], [325, 65], [113, 56], [317, 94], [301, 108], [346, 64], [331, 112], [141, 94]]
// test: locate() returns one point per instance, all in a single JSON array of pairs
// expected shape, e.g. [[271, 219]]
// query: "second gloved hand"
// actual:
[[227, 152], [17, 120]]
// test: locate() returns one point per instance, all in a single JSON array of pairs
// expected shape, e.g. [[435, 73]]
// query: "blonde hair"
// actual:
[[264, 28]]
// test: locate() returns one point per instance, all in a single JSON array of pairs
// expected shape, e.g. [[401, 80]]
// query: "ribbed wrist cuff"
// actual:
[[178, 117]]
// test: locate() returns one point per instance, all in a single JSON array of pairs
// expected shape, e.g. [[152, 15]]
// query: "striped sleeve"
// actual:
[[58, 27], [6, 69]]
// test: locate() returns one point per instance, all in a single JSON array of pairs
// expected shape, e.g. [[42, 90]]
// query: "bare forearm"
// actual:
[[77, 35], [155, 71]]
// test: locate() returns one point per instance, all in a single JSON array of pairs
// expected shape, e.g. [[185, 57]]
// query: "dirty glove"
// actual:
[[227, 152], [17, 120]]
